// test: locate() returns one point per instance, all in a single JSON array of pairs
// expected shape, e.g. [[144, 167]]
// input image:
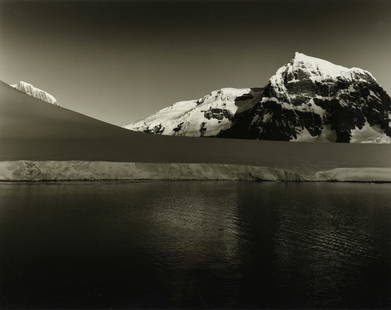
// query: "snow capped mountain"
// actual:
[[35, 92], [307, 100], [206, 116], [310, 99]]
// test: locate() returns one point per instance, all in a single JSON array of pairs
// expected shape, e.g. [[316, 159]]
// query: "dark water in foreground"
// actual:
[[195, 244]]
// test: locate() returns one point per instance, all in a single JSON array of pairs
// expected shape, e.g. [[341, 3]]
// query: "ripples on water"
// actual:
[[195, 244]]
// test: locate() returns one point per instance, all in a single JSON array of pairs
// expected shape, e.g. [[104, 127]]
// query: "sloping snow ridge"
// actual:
[[323, 70], [206, 116], [35, 92]]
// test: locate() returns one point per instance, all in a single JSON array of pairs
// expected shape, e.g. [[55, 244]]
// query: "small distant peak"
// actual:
[[20, 84], [35, 92], [24, 83]]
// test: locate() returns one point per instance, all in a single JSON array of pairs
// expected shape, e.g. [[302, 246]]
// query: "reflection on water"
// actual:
[[195, 244]]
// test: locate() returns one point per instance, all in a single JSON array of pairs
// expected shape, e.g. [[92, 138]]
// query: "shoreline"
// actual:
[[52, 171]]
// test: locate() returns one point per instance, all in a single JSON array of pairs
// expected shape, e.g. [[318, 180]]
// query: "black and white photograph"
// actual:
[[195, 154]]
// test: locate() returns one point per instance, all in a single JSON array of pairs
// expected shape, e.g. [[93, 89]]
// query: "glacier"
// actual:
[[27, 170]]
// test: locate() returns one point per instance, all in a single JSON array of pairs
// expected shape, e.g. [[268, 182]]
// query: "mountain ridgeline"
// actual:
[[307, 100]]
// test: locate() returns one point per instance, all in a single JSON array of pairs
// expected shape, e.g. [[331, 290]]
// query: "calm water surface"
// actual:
[[195, 244]]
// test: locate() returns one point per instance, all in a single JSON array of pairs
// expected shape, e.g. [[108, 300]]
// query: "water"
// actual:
[[195, 244]]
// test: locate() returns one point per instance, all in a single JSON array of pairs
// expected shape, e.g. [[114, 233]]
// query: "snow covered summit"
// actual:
[[35, 92], [321, 69], [306, 100]]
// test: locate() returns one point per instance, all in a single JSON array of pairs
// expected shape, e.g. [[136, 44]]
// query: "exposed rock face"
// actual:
[[35, 92], [308, 99], [206, 116]]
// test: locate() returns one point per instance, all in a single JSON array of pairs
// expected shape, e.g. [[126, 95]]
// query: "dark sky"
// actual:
[[120, 61]]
